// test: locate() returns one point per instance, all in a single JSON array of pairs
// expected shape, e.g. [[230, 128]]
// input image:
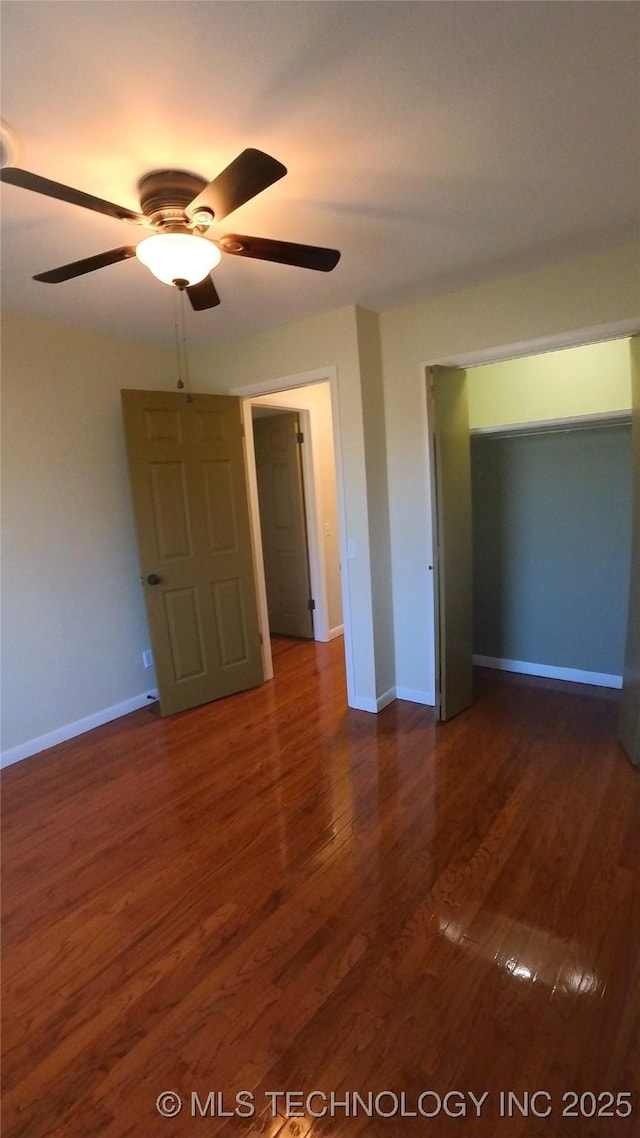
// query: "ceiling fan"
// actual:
[[180, 207]]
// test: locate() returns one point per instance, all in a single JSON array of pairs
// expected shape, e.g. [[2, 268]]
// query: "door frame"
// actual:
[[577, 338], [322, 631]]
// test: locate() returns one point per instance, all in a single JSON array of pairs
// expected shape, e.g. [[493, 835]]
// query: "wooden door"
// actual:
[[451, 472], [277, 442], [629, 725], [186, 465]]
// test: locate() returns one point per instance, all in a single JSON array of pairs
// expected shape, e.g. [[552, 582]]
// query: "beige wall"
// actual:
[[537, 306], [316, 398], [73, 623], [590, 380]]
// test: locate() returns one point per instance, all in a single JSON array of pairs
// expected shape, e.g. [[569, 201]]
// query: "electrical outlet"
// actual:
[[147, 658]]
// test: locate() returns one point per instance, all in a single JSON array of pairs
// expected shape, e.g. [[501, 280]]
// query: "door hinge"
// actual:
[[299, 437], [311, 604]]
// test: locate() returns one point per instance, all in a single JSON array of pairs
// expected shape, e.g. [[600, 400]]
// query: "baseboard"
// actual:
[[414, 695], [573, 675], [373, 705], [385, 699], [70, 730], [363, 704], [334, 633]]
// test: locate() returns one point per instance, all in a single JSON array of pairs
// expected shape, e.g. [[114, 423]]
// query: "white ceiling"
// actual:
[[435, 144]]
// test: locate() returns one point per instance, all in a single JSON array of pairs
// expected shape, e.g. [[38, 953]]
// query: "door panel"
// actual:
[[451, 470], [283, 524], [629, 724], [169, 497], [233, 646], [217, 482], [186, 465], [186, 635]]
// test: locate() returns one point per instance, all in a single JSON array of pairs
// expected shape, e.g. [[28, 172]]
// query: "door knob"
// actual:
[[153, 579]]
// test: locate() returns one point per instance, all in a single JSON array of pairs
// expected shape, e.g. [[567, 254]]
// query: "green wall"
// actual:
[[552, 541], [575, 381]]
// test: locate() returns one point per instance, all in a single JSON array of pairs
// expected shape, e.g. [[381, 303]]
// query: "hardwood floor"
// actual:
[[276, 893]]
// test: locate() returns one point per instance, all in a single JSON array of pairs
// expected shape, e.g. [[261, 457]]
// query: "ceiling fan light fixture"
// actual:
[[178, 257]]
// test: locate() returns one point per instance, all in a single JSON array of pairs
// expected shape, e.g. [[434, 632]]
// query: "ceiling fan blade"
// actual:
[[249, 174], [27, 181], [203, 295], [87, 265], [283, 252]]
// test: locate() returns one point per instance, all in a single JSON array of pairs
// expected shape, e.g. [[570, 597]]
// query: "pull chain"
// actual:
[[179, 328], [180, 383], [185, 355]]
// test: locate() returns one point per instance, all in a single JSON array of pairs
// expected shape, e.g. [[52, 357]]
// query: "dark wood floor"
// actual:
[[276, 893]]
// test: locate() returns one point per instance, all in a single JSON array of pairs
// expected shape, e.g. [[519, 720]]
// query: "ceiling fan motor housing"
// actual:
[[165, 193]]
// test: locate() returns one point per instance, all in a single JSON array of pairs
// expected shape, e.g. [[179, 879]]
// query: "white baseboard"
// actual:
[[70, 730], [414, 695], [385, 699], [373, 705], [334, 633], [573, 675], [363, 704]]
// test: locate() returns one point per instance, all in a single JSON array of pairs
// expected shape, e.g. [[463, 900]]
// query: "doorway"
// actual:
[[312, 401], [277, 442], [595, 400]]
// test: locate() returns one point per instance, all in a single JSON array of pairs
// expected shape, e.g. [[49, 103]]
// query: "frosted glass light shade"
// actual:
[[178, 256]]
